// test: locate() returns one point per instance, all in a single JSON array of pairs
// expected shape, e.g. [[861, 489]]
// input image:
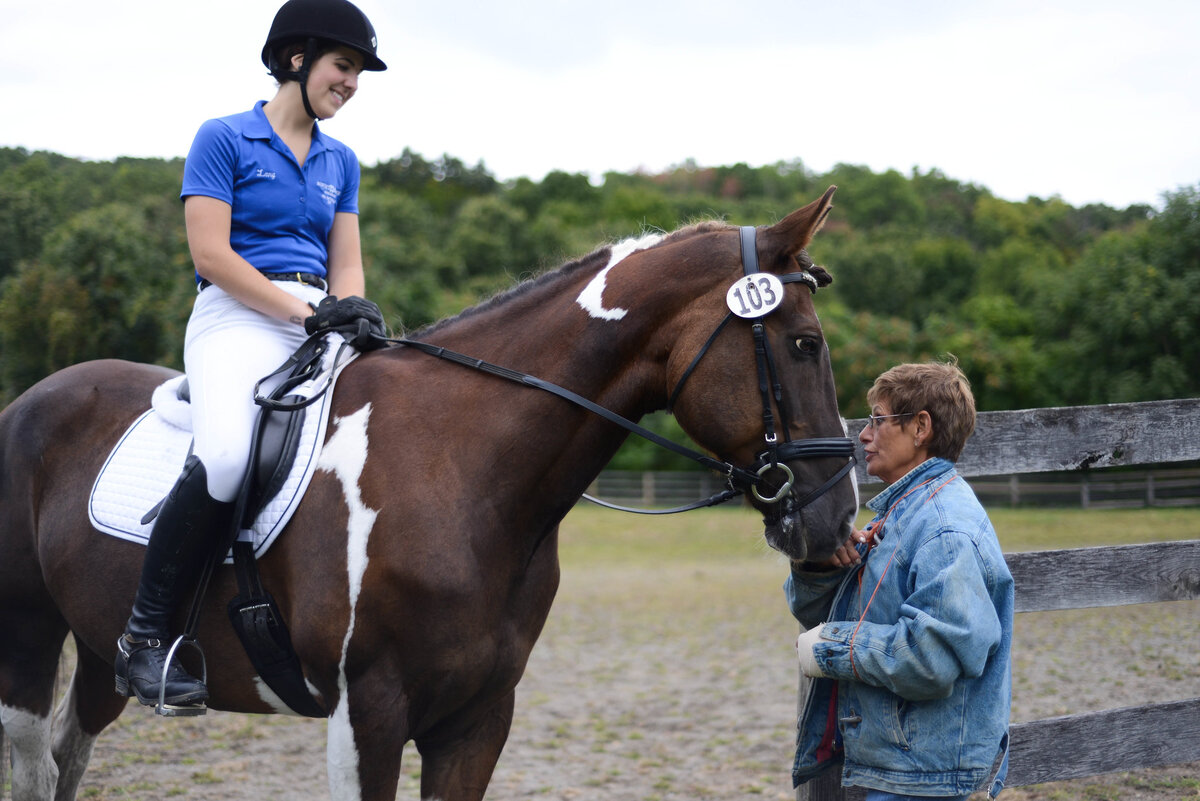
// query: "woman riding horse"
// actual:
[[263, 271]]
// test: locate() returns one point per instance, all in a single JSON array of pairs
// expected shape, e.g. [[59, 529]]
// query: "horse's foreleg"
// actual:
[[459, 767], [34, 774], [72, 747], [89, 706], [364, 747]]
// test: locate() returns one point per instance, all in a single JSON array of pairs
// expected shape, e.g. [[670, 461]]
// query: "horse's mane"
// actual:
[[593, 260]]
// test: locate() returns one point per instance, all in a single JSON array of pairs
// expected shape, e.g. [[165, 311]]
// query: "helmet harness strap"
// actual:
[[300, 76], [310, 51]]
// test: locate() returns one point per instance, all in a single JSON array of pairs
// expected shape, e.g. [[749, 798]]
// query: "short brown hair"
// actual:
[[939, 388]]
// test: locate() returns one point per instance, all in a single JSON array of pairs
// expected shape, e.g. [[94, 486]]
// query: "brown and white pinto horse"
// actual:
[[420, 567]]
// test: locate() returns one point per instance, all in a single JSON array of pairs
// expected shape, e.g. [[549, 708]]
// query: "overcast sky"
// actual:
[[1092, 101]]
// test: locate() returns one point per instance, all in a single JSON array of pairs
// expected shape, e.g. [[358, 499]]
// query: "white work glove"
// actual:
[[804, 648]]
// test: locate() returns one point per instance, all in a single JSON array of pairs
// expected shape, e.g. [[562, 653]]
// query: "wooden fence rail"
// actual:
[[1083, 438]]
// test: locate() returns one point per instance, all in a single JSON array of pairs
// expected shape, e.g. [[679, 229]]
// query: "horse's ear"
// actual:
[[792, 234]]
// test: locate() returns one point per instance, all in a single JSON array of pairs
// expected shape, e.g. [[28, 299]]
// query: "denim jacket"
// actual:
[[919, 691]]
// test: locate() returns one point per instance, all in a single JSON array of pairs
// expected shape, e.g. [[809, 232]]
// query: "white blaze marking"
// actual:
[[592, 296], [34, 774], [345, 455]]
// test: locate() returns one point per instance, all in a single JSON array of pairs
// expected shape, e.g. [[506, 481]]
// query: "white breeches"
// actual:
[[228, 348]]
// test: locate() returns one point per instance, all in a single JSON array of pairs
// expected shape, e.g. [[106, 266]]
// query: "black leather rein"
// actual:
[[735, 474], [739, 479]]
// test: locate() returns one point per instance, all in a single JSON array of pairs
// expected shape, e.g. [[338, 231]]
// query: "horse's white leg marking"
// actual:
[[592, 296], [72, 746], [344, 455], [34, 774]]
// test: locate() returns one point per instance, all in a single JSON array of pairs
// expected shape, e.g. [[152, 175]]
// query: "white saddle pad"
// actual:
[[148, 458]]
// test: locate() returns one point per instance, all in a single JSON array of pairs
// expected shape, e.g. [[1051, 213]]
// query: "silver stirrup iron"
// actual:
[[189, 710]]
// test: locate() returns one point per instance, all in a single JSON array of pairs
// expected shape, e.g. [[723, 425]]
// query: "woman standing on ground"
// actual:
[[909, 625]]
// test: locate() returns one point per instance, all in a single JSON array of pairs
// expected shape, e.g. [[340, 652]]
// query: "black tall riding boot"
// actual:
[[189, 528]]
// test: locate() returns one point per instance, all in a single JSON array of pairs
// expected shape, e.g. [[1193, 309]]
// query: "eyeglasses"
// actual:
[[875, 420]]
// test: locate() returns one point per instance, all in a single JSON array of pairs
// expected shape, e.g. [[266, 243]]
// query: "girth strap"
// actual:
[[259, 625]]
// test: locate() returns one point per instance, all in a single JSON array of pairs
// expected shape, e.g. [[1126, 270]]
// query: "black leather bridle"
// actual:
[[774, 456]]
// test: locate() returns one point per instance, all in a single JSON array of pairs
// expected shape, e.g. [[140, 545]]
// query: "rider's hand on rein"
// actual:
[[359, 319]]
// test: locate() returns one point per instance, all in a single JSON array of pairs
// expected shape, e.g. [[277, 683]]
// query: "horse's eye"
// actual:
[[807, 346]]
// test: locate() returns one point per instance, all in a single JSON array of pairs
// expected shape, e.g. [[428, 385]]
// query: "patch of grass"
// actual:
[[591, 536], [1111, 787], [206, 777], [1042, 529]]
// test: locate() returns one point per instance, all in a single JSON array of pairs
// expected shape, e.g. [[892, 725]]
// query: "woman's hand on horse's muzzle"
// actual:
[[358, 318]]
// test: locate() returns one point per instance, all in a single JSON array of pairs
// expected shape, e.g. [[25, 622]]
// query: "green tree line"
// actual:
[[1042, 303]]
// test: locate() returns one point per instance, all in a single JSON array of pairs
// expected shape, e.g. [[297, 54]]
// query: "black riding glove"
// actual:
[[358, 319]]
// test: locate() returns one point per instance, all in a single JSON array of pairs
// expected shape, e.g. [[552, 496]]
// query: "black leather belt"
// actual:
[[303, 278]]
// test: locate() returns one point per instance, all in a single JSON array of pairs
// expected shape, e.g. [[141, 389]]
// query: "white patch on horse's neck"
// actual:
[[345, 455], [592, 296]]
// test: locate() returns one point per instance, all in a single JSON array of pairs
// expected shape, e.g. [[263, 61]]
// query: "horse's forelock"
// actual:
[[817, 271]]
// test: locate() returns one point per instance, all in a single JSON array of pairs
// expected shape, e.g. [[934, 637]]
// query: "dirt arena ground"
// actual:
[[671, 682]]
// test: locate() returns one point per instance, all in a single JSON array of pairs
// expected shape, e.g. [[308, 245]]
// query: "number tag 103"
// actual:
[[755, 295]]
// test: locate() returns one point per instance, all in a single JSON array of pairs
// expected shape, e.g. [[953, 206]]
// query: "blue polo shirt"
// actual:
[[281, 212]]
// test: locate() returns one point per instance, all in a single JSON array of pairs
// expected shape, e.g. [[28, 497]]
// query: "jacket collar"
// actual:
[[925, 471]]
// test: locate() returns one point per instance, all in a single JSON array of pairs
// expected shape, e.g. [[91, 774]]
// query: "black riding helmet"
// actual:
[[315, 21]]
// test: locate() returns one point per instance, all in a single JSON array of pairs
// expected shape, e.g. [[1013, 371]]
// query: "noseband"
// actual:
[[773, 456], [758, 296]]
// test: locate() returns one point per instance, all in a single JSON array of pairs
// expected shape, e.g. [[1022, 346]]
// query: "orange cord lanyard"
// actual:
[[876, 536]]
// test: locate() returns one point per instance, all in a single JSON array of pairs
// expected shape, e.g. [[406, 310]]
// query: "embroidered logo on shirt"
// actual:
[[329, 192], [268, 174]]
